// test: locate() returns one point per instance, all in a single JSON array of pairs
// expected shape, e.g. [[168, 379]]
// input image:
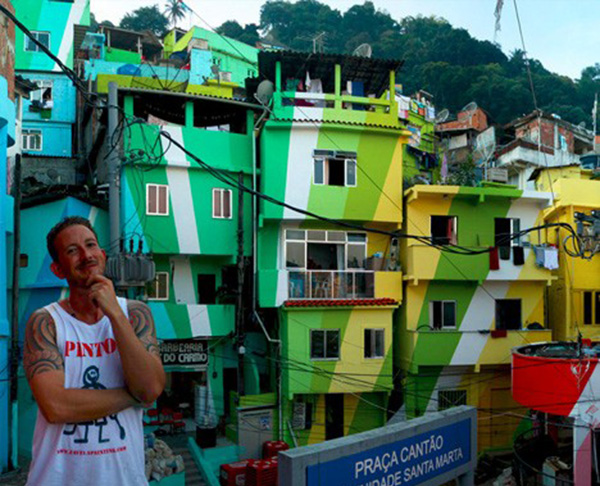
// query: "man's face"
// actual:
[[79, 255]]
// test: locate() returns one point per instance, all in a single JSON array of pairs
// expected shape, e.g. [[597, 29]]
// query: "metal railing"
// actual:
[[331, 284]]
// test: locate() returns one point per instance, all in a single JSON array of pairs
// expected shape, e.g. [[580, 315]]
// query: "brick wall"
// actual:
[[7, 49]]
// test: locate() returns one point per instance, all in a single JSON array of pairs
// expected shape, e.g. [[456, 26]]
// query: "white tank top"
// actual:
[[102, 452]]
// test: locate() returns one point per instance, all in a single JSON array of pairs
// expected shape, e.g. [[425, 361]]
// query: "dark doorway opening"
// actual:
[[207, 288], [334, 416]]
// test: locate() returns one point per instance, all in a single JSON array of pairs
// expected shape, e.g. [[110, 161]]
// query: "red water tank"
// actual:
[[272, 447], [234, 474], [262, 473]]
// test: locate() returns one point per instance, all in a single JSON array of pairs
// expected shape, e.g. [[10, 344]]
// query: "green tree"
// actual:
[[146, 18], [174, 11], [232, 29]]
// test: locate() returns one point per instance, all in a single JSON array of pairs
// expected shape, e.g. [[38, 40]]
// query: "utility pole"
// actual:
[[595, 116], [113, 169], [14, 353], [239, 315]]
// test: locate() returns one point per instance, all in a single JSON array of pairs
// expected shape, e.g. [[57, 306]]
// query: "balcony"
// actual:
[[331, 284]]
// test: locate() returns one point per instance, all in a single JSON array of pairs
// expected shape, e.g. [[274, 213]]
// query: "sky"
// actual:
[[562, 34]]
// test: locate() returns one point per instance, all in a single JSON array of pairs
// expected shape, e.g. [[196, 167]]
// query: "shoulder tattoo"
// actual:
[[41, 353], [142, 321]]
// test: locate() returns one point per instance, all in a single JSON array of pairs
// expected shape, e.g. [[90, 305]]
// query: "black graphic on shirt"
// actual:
[[91, 381]]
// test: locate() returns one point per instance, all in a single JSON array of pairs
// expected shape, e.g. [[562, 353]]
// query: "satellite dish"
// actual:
[[442, 116], [264, 92], [581, 125], [364, 50], [215, 70], [470, 107]]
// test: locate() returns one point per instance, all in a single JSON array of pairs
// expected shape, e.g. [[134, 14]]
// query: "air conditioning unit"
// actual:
[[198, 44], [497, 175], [225, 76]]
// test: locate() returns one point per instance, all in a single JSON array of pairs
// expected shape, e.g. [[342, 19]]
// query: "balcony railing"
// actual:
[[331, 284]]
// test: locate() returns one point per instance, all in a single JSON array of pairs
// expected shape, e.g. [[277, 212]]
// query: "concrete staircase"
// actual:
[[192, 474]]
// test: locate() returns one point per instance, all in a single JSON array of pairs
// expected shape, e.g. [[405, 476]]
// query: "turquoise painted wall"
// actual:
[[7, 124], [55, 17]]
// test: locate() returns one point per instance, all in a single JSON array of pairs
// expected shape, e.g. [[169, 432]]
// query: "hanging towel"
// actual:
[[494, 260], [551, 258], [518, 255], [505, 253]]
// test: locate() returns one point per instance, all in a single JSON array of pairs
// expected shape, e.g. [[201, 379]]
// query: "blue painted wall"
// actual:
[[38, 286], [56, 130], [201, 63], [7, 133]]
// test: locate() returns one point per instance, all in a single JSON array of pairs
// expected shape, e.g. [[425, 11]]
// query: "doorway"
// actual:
[[334, 416]]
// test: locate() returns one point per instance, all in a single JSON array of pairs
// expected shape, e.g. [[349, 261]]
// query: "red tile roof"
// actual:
[[340, 302]]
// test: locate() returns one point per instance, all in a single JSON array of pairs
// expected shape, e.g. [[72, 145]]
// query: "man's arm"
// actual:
[[45, 372], [136, 341]]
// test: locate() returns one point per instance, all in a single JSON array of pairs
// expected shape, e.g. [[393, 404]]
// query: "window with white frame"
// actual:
[[32, 140], [442, 314], [221, 203], [157, 200], [325, 250], [42, 37], [374, 343], [334, 168], [325, 344], [158, 289], [43, 95]]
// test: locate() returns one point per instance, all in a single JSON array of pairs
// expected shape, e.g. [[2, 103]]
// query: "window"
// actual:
[[158, 289], [33, 140], [333, 168], [222, 203], [43, 95], [503, 229], [442, 314], [325, 344], [42, 37], [591, 308], [508, 314], [157, 199], [325, 250], [374, 343], [451, 398], [444, 230]]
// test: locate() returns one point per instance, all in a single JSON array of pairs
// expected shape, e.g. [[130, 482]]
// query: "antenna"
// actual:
[[364, 50], [442, 116]]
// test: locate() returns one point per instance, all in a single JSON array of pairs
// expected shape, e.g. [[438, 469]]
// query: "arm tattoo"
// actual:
[[143, 325], [41, 352]]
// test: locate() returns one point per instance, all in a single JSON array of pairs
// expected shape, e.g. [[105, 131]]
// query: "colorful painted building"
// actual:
[[574, 298], [7, 139], [328, 292], [188, 220], [199, 63], [462, 314], [421, 151], [49, 115]]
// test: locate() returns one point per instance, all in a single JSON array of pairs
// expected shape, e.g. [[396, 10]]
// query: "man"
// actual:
[[92, 362]]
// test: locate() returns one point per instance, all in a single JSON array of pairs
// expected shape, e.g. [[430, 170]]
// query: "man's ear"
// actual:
[[57, 270]]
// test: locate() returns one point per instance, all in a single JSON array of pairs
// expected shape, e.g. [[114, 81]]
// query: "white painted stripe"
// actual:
[[183, 285], [75, 15], [174, 155], [303, 141], [479, 317], [183, 211], [199, 320], [282, 287]]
